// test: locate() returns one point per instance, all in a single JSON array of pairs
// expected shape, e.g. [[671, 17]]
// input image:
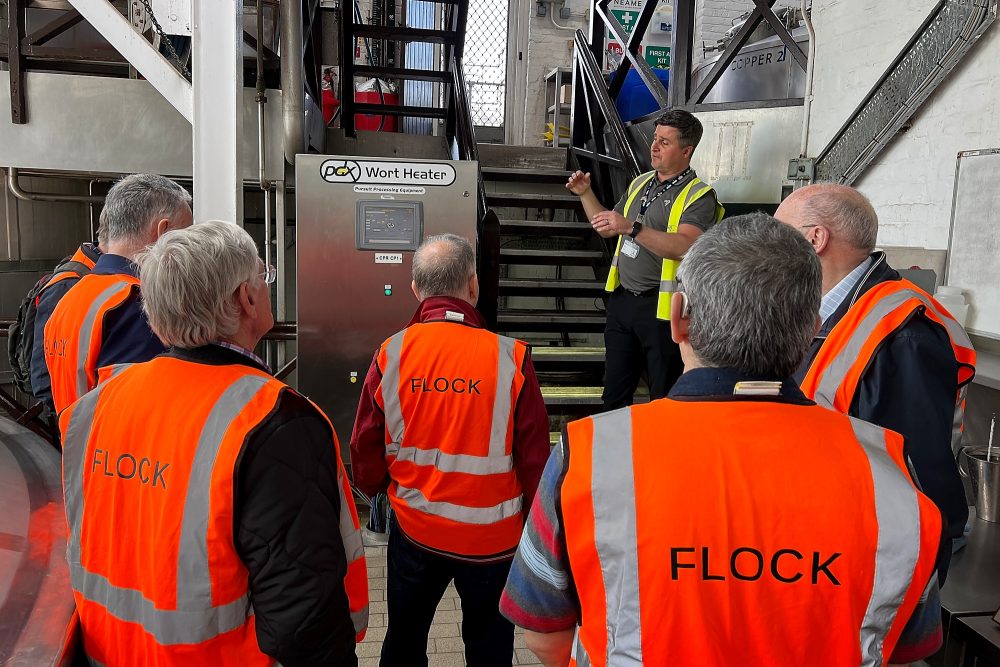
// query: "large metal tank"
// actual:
[[37, 620], [760, 71]]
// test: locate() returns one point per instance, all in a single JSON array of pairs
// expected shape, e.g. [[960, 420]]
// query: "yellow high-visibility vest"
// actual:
[[691, 193]]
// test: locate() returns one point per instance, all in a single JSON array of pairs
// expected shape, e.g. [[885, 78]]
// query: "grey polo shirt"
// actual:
[[643, 272]]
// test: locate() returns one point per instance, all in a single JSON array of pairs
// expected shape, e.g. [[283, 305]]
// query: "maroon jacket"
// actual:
[[531, 421]]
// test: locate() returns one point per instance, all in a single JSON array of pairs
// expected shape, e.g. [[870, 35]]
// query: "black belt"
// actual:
[[650, 292]]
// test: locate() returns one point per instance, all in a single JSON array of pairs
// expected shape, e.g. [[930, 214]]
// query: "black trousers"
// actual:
[[635, 341], [416, 581]]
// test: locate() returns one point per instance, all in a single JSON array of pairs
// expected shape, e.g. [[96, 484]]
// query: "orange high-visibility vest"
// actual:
[[74, 333], [449, 392], [75, 267], [836, 371], [761, 533], [148, 474]]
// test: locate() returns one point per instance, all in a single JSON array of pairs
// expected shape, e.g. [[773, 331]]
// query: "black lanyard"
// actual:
[[645, 202]]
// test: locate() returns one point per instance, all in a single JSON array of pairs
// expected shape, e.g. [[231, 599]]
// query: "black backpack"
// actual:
[[21, 334]]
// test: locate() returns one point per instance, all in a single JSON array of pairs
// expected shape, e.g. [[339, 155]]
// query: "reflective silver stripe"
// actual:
[[898, 514], [615, 535], [194, 585], [87, 332], [360, 620], [959, 418], [669, 286], [579, 653], [116, 370], [506, 368], [465, 463], [390, 389], [834, 374], [74, 451], [479, 516], [614, 258], [167, 627]]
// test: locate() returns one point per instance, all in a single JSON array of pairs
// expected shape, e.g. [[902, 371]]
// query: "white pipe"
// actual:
[[810, 68], [552, 17]]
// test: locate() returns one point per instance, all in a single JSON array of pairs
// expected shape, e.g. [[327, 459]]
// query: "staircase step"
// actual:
[[569, 396], [407, 34], [403, 73], [576, 321], [394, 110], [550, 287], [551, 257], [523, 200], [539, 175], [560, 354], [544, 228]]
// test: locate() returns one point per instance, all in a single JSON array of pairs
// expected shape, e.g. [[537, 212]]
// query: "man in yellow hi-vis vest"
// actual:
[[656, 221]]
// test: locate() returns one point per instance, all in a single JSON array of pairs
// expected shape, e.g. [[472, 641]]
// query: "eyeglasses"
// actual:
[[270, 274]]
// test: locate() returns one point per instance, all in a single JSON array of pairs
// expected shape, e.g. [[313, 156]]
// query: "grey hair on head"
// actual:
[[443, 265], [189, 282], [754, 286], [137, 201]]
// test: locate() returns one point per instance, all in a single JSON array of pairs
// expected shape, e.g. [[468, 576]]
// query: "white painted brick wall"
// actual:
[[548, 48], [912, 182]]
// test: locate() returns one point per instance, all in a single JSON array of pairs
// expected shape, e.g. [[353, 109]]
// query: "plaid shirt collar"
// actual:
[[242, 350]]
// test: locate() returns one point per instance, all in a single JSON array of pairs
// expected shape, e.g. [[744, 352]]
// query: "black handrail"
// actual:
[[487, 223], [589, 82]]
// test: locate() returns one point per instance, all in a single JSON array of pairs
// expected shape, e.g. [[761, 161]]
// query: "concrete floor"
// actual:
[[444, 647]]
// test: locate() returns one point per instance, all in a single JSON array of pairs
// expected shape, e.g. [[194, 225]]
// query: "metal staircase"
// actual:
[[552, 269]]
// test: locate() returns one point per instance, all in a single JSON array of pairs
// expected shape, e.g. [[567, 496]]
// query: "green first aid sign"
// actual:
[[628, 19], [658, 56]]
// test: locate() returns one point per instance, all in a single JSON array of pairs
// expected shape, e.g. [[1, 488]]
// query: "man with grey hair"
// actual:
[[908, 360], [735, 521], [225, 507], [452, 424], [99, 322]]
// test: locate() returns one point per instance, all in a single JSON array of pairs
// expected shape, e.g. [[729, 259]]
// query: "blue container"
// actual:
[[634, 99]]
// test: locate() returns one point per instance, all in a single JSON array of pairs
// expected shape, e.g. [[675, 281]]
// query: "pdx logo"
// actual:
[[340, 171]]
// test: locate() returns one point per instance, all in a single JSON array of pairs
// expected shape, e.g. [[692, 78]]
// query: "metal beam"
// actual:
[[680, 52], [730, 53], [634, 41], [156, 69], [779, 29], [15, 61], [218, 110], [53, 29], [654, 85], [347, 42]]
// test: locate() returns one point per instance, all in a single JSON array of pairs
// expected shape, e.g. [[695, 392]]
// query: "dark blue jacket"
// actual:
[[126, 337], [910, 387]]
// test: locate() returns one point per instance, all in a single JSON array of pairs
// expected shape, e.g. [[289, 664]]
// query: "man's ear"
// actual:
[[413, 287], [162, 226], [474, 289], [245, 297], [688, 152], [820, 238], [679, 317]]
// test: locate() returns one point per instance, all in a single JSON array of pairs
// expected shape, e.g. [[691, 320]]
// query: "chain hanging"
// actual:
[[166, 40]]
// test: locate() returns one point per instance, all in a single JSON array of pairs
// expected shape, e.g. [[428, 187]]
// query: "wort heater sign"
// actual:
[[381, 172]]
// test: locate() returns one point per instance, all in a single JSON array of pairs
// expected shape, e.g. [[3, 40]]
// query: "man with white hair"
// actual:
[[887, 352], [452, 423], [99, 321], [211, 519], [735, 521]]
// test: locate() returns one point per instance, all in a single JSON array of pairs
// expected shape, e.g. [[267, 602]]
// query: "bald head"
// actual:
[[445, 265], [844, 211]]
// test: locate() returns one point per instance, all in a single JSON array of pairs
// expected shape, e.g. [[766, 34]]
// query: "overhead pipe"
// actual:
[[292, 81], [261, 99], [810, 68], [24, 195]]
